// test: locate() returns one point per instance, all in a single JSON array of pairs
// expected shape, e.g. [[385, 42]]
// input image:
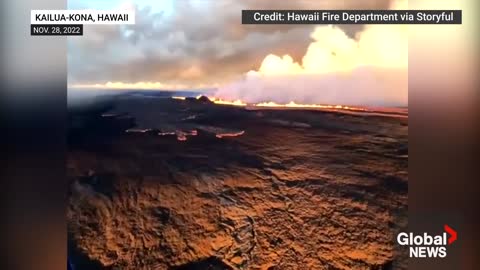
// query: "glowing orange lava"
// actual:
[[292, 104], [233, 134], [226, 102], [272, 104]]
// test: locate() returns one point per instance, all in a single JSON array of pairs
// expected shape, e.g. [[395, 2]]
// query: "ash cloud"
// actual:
[[370, 69], [366, 86]]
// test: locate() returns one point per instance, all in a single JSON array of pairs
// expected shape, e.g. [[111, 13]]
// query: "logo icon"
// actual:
[[451, 232], [426, 245]]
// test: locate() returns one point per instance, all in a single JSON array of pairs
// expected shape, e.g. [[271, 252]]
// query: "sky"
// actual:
[[188, 42]]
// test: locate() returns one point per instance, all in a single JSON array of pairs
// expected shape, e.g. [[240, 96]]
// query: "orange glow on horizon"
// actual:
[[272, 104], [226, 102]]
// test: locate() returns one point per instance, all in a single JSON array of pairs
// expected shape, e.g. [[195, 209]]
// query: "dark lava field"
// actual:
[[160, 183]]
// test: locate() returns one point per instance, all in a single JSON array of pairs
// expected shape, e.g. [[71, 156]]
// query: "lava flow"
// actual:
[[226, 102], [233, 134], [292, 104], [271, 104]]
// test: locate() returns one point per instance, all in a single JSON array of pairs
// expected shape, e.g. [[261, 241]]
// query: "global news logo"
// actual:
[[428, 246]]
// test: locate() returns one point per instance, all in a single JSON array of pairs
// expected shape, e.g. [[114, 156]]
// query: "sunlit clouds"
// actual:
[[369, 69]]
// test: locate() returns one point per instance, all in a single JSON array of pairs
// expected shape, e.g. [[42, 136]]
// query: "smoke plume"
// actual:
[[370, 69]]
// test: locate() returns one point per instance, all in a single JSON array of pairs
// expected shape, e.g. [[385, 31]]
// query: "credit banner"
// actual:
[[351, 16]]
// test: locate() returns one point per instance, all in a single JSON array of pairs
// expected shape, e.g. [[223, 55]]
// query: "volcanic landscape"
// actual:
[[163, 183]]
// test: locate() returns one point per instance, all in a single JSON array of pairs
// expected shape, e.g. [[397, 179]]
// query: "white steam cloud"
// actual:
[[371, 69]]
